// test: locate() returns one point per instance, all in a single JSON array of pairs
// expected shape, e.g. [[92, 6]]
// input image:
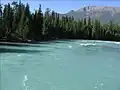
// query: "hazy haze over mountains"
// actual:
[[103, 13]]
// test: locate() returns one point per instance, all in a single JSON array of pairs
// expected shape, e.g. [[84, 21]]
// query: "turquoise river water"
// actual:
[[61, 65]]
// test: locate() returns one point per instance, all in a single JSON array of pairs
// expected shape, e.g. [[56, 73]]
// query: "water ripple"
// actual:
[[25, 82]]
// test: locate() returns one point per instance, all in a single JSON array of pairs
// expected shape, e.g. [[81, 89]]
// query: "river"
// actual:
[[61, 65]]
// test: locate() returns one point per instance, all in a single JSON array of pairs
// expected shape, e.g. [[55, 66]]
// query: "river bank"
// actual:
[[25, 42]]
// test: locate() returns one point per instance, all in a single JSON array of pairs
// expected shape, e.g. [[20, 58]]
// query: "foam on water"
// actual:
[[117, 42], [25, 78], [92, 41], [84, 41], [99, 85], [25, 82], [87, 44], [95, 87], [111, 76], [69, 46], [19, 55], [111, 42]]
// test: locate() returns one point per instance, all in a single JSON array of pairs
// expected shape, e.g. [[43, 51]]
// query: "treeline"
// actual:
[[17, 23]]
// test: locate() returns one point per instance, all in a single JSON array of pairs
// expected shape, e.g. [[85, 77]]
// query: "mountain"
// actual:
[[103, 13]]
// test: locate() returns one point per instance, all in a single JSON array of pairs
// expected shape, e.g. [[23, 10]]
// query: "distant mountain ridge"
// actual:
[[103, 13]]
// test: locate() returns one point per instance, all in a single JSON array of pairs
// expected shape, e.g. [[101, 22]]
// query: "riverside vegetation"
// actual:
[[19, 24]]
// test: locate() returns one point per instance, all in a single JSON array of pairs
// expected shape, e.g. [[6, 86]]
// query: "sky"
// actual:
[[64, 6]]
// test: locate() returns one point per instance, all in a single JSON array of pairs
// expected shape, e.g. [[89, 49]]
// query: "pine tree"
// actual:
[[1, 22], [85, 28], [0, 10], [46, 24], [89, 29], [38, 24], [7, 20]]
